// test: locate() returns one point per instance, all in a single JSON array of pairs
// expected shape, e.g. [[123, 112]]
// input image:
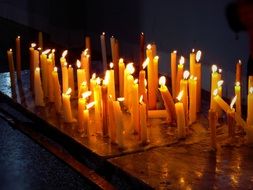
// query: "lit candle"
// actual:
[[38, 92], [104, 91], [128, 97], [231, 119], [18, 58], [238, 71], [118, 117], [155, 62], [198, 74], [44, 71], [36, 56], [11, 68], [135, 108], [214, 81], [192, 62], [193, 99], [167, 99], [71, 79], [63, 57], [86, 118], [128, 80], [184, 88], [80, 75], [180, 116], [31, 50], [81, 106], [57, 91], [218, 109], [250, 82], [250, 107], [142, 77], [111, 84], [142, 48], [67, 112], [65, 77], [151, 79], [103, 50], [180, 70], [143, 121], [121, 76], [173, 64], [238, 101], [98, 108], [213, 118], [85, 64]]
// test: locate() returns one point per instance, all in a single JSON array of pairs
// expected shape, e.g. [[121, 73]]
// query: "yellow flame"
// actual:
[[215, 92], [130, 68], [156, 58], [195, 78], [33, 45], [55, 69], [65, 64], [162, 80], [93, 76], [145, 63], [193, 50], [37, 69], [181, 61], [78, 64], [86, 94], [145, 82], [233, 102], [141, 99], [84, 83], [220, 83], [251, 90], [64, 53], [198, 55], [68, 92], [186, 74], [111, 65], [149, 46], [90, 105], [120, 99], [39, 48], [103, 33], [10, 50], [53, 50], [239, 61], [214, 68], [136, 81], [175, 51], [18, 37], [107, 77], [98, 81], [180, 95], [121, 60], [142, 33], [220, 71], [237, 83], [46, 51]]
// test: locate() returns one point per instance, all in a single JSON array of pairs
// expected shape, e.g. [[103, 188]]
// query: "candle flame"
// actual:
[[181, 61], [195, 78], [214, 68], [93, 76], [37, 69], [180, 95], [251, 90], [70, 66], [86, 51], [65, 64], [111, 65], [162, 80], [78, 64], [121, 60], [142, 33], [193, 50], [10, 50], [120, 99], [55, 69], [239, 62], [18, 37], [186, 74], [68, 92], [145, 63], [198, 55], [53, 50], [103, 33], [130, 68], [64, 53], [233, 102], [220, 71], [33, 45], [84, 83], [237, 83], [215, 92], [39, 48], [107, 77], [46, 51], [220, 83], [86, 94], [145, 82], [98, 81], [175, 51], [141, 99], [90, 105], [156, 58], [136, 81], [149, 46]]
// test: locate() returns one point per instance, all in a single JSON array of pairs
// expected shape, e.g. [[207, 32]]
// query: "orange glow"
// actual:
[[121, 99], [46, 51], [33, 45]]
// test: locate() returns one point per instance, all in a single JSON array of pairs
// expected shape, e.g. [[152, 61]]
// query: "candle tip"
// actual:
[[162, 80], [180, 95], [64, 53], [78, 63], [215, 92], [181, 61], [214, 68], [111, 65], [233, 102], [145, 63], [186, 74], [237, 83], [198, 55]]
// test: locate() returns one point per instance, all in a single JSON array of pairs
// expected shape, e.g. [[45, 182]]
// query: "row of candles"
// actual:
[[139, 96]]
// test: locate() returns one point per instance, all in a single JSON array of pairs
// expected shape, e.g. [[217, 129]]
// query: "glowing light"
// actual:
[[33, 45], [37, 69], [68, 92], [198, 55], [180, 95], [145, 63], [86, 94], [181, 60], [130, 68], [120, 99], [98, 81], [111, 65], [215, 92], [149, 46], [90, 105], [10, 50], [156, 58], [233, 102], [220, 83], [107, 77], [46, 51], [175, 51], [186, 74], [237, 83], [93, 76], [78, 64], [251, 90], [141, 99], [145, 82], [64, 53], [214, 68], [55, 69], [162, 80], [239, 61], [220, 71]]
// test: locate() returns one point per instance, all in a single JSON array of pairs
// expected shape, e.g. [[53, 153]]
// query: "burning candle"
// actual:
[[250, 82], [238, 71], [80, 75], [67, 112], [38, 92], [192, 61], [93, 82], [81, 106], [135, 108], [112, 127], [36, 56], [63, 57], [231, 119], [142, 48], [214, 80], [86, 118], [218, 109], [193, 99], [11, 67], [238, 101], [250, 107], [65, 77], [184, 88], [71, 79], [57, 91], [18, 57], [98, 108], [143, 121], [121, 76], [173, 64], [44, 71], [167, 99], [180, 116], [128, 81], [142, 77], [180, 70], [111, 84], [83, 89], [198, 74], [103, 50], [31, 50], [85, 64], [118, 117]]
